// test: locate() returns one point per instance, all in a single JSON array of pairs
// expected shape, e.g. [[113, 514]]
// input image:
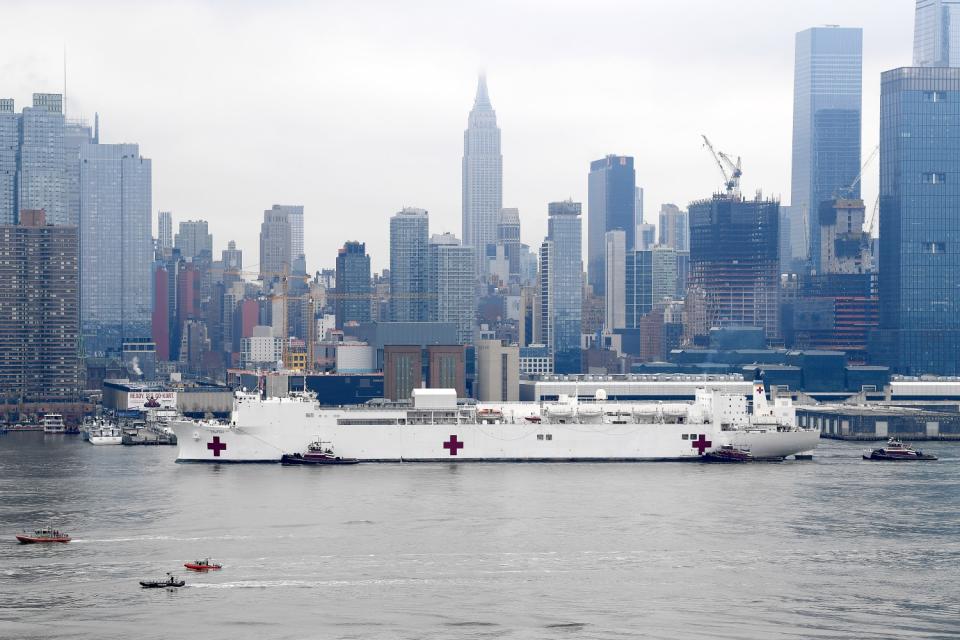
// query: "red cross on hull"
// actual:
[[453, 445], [701, 444], [216, 446]]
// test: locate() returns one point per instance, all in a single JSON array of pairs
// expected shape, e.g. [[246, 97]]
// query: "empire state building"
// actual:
[[482, 176]]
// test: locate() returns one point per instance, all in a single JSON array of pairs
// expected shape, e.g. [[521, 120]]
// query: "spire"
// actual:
[[482, 100]]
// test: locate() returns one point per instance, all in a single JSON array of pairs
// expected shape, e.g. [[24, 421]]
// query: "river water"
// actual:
[[834, 548]]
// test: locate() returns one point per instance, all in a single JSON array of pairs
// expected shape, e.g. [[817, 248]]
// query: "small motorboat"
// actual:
[[897, 451], [728, 454], [46, 534], [317, 453], [169, 583], [202, 565]]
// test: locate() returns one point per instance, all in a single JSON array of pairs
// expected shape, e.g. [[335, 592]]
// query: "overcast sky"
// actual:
[[355, 109]]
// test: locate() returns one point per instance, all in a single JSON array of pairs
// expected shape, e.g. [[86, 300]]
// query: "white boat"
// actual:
[[53, 423], [435, 427], [104, 432]]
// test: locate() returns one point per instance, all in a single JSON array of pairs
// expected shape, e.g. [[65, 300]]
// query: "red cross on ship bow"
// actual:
[[216, 446]]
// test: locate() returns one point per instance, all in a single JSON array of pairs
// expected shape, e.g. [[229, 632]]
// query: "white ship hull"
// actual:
[[484, 443], [104, 439], [263, 431]]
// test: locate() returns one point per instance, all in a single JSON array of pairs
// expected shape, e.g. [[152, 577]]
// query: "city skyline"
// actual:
[[549, 135]]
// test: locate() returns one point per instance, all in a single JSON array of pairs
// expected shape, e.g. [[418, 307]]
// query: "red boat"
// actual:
[[43, 535], [202, 565]]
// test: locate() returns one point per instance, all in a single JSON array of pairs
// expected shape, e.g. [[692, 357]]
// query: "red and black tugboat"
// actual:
[[897, 451], [46, 534], [202, 565], [728, 454], [317, 453], [169, 583]]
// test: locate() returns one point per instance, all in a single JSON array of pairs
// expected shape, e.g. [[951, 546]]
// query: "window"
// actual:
[[686, 436], [549, 436], [934, 178], [934, 96], [539, 436], [934, 247]]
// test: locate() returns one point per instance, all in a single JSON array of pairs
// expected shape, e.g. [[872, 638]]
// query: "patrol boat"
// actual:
[[435, 427]]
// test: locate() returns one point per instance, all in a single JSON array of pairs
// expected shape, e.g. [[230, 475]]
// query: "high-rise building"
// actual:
[[352, 300], [826, 124], [508, 236], [194, 240], [482, 176], [9, 152], [276, 243], [232, 257], [164, 231], [612, 204], [75, 134], [615, 300], [734, 262], [663, 273], [919, 197], [409, 232], [39, 311], [116, 246], [295, 214], [936, 33], [42, 180], [674, 227], [561, 285], [451, 284], [638, 287]]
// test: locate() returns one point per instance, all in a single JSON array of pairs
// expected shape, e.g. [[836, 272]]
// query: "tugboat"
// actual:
[[897, 450], [202, 565], [728, 454], [45, 534], [169, 583], [317, 453]]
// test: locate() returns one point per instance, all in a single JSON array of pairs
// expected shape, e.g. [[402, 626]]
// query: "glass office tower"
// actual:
[[612, 204], [826, 124], [936, 33], [561, 285], [919, 221]]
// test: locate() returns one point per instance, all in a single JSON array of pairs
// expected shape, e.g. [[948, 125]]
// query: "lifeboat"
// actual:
[[202, 565], [560, 411], [590, 412]]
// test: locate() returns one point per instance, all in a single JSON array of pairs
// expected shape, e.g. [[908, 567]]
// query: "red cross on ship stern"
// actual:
[[453, 445], [216, 446], [701, 444]]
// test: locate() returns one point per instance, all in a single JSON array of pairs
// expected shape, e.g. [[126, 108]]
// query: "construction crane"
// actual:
[[731, 170], [846, 192]]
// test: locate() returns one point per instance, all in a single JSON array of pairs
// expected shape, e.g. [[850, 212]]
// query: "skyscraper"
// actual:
[[39, 311], [508, 236], [194, 240], [75, 135], [919, 198], [612, 204], [276, 243], [616, 252], [164, 230], [734, 262], [353, 284], [482, 176], [674, 227], [116, 246], [826, 123], [561, 285], [936, 33], [295, 213], [42, 182], [9, 150], [451, 283], [408, 265]]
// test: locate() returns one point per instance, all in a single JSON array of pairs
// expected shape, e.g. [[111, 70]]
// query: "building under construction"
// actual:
[[734, 261]]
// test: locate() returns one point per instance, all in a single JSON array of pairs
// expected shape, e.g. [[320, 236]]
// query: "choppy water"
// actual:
[[836, 548]]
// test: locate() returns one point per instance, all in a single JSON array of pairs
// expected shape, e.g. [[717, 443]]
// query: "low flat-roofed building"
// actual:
[[632, 387], [879, 422]]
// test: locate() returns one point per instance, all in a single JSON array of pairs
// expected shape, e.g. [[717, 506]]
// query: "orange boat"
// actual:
[[202, 565], [43, 535]]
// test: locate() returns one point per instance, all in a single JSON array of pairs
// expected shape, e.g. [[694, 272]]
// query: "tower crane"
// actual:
[[846, 192], [731, 170]]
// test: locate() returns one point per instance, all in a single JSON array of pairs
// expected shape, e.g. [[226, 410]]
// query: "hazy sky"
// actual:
[[355, 109]]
